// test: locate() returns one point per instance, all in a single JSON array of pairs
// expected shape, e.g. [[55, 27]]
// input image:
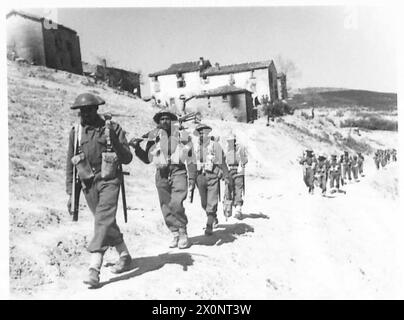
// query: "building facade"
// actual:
[[115, 78], [40, 42], [226, 102], [194, 78]]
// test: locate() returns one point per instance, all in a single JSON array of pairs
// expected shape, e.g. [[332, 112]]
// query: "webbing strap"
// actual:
[[109, 145]]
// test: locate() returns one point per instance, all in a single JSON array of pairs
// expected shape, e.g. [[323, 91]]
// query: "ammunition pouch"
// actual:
[[109, 165], [83, 167]]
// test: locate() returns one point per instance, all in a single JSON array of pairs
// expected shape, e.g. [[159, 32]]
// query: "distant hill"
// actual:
[[342, 98]]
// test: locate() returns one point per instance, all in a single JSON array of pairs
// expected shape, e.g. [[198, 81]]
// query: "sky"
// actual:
[[331, 46]]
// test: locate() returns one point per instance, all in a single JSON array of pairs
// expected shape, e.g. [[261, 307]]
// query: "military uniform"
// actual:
[[101, 193], [334, 172], [309, 164], [346, 167], [171, 153], [321, 170], [236, 159], [376, 158], [211, 167], [361, 159], [355, 167]]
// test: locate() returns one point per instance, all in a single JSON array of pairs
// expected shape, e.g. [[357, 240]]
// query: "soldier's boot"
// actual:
[[174, 241], [209, 225], [238, 213], [124, 264], [183, 241], [93, 278], [215, 223]]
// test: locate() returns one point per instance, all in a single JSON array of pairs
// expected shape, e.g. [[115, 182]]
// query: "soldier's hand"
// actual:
[[134, 142], [69, 205]]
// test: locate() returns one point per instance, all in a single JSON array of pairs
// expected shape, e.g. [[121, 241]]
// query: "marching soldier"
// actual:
[[170, 149], [321, 171], [361, 159], [92, 138], [236, 158], [334, 173], [346, 167], [376, 158], [354, 167], [394, 155], [309, 163], [211, 167]]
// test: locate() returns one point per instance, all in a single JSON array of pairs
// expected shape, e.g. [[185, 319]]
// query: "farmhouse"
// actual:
[[226, 102], [42, 42], [116, 78], [193, 78]]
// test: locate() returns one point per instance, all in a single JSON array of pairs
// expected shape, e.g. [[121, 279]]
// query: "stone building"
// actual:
[[192, 78], [42, 42], [226, 102], [116, 78]]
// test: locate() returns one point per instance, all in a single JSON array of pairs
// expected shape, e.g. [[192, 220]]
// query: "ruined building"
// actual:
[[42, 42], [114, 77]]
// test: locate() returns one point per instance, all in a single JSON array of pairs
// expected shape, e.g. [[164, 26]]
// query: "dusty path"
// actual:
[[289, 245]]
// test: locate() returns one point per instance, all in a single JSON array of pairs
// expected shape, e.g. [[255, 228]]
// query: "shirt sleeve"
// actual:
[[120, 144], [144, 154]]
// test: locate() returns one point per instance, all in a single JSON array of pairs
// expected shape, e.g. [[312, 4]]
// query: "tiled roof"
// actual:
[[221, 91], [235, 68], [183, 67], [35, 18]]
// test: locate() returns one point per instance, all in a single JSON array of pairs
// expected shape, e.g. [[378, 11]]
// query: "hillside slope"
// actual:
[[289, 244]]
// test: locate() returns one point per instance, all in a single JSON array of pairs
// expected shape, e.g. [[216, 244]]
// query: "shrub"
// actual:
[[371, 123], [358, 146]]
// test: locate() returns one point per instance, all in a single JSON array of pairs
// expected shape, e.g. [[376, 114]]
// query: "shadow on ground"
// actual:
[[147, 264], [224, 233], [254, 216]]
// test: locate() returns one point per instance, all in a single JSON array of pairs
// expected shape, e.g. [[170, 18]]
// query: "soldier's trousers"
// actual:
[[355, 172], [238, 185], [172, 193], [208, 187], [102, 199], [308, 177], [334, 178], [360, 168], [322, 182], [377, 164], [346, 170]]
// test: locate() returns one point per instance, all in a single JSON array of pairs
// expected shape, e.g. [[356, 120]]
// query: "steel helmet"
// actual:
[[159, 114], [86, 100]]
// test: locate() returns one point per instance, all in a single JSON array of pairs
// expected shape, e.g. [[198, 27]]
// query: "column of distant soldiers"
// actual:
[[338, 171], [97, 149]]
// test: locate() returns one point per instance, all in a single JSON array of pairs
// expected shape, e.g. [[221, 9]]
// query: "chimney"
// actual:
[[217, 65], [104, 62]]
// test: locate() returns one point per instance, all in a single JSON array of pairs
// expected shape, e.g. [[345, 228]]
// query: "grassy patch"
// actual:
[[371, 123]]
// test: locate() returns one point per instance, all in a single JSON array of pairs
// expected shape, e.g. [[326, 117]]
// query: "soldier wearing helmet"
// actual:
[[211, 167], [361, 159], [346, 167], [236, 159], [92, 137], [334, 173], [321, 171], [170, 149], [308, 161]]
